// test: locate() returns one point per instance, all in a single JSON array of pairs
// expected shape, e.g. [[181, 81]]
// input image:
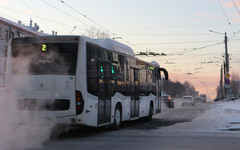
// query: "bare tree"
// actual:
[[235, 84], [93, 32]]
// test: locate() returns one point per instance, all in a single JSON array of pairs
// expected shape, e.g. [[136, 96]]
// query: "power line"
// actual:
[[159, 34], [18, 11], [65, 13], [36, 14], [226, 15], [86, 17], [188, 42], [163, 27], [236, 6]]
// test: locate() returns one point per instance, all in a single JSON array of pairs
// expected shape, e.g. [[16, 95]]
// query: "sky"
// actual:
[[177, 28]]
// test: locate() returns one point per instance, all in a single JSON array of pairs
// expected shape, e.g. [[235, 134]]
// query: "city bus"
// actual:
[[77, 80]]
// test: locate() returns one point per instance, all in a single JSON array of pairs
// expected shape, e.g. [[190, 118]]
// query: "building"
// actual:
[[8, 30]]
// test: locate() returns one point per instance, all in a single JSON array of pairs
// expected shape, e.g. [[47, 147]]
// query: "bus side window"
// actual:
[[102, 54], [110, 57], [92, 79], [115, 57], [143, 81], [122, 62], [127, 72]]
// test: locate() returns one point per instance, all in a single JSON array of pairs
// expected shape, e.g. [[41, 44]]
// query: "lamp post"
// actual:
[[226, 65]]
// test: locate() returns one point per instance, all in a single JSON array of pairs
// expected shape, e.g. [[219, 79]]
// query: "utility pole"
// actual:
[[221, 83], [227, 64]]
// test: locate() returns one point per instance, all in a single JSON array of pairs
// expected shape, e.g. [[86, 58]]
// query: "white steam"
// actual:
[[19, 129]]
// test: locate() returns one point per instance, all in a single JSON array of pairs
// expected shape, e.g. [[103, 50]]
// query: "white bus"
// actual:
[[82, 81]]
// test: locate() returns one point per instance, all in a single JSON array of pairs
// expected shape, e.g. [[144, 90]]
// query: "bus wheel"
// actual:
[[117, 118]]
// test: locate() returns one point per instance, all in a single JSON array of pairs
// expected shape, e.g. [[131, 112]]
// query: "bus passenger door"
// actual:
[[135, 88], [158, 88], [104, 93]]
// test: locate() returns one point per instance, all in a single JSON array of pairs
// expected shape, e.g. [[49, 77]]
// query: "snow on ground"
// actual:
[[221, 116]]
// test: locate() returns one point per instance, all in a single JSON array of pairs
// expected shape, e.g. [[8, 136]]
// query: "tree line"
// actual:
[[178, 89]]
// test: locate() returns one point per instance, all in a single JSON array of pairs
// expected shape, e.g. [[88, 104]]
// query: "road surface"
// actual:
[[173, 129]]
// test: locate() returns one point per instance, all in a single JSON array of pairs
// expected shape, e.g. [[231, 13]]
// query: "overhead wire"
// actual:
[[18, 11], [135, 45], [236, 6], [36, 14], [226, 15], [85, 16], [187, 42], [106, 29], [65, 13]]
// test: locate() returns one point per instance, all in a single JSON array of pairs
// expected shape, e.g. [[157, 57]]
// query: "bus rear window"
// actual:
[[45, 59]]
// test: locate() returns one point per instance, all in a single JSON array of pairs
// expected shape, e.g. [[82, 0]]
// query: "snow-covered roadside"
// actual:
[[221, 116]]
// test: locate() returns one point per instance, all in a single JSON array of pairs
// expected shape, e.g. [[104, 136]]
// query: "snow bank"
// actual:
[[217, 118]]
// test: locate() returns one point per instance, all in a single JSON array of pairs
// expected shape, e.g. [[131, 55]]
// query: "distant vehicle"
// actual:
[[203, 98], [197, 99], [168, 101], [188, 100]]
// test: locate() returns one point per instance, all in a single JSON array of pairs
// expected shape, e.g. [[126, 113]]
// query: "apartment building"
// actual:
[[8, 30]]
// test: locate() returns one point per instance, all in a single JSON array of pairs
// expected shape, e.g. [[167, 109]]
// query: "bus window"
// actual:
[[115, 57], [92, 80], [45, 59], [102, 54]]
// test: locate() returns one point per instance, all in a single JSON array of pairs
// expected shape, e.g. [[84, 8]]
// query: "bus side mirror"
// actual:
[[165, 72]]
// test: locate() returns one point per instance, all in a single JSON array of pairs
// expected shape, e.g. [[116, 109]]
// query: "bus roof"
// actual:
[[105, 43], [115, 46]]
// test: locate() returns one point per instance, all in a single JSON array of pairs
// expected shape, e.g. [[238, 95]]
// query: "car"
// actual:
[[188, 100], [168, 101], [203, 98], [197, 99]]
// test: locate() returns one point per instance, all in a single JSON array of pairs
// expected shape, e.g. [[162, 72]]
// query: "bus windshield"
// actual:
[[45, 58]]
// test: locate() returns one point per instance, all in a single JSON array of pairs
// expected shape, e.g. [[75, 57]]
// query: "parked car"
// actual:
[[168, 101], [188, 100]]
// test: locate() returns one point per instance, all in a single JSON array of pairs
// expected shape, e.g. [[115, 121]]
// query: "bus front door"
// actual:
[[104, 93], [135, 87]]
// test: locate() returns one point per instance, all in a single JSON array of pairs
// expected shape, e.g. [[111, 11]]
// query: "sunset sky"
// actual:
[[178, 28]]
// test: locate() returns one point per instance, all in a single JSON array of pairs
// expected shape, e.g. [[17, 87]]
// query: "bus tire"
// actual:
[[117, 118]]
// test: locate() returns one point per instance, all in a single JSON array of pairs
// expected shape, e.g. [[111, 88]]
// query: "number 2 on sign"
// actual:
[[44, 47]]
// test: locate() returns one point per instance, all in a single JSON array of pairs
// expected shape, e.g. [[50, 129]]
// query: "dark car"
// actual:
[[168, 101]]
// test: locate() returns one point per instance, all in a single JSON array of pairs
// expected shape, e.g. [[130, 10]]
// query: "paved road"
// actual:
[[167, 131]]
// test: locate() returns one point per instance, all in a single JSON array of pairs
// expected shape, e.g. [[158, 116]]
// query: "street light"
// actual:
[[216, 32], [114, 38]]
